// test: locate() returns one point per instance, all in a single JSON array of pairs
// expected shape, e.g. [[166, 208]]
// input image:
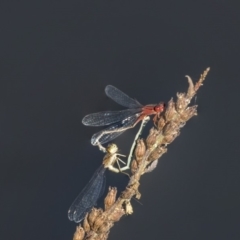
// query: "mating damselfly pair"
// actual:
[[117, 122]]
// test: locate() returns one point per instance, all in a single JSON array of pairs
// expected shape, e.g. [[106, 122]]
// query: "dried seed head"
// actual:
[[116, 215], [79, 234], [151, 139], [157, 153], [189, 113], [110, 198], [170, 113], [86, 224], [140, 149], [128, 207], [93, 215], [134, 166]]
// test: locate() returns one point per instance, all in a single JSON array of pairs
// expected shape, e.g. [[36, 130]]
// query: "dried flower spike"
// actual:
[[97, 224]]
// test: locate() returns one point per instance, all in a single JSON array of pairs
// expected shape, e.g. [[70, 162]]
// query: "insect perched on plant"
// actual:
[[119, 121], [89, 196]]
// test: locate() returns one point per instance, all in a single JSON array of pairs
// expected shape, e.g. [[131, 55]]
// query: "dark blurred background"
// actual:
[[56, 57]]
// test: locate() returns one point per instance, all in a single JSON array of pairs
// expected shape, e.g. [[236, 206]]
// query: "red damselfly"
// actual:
[[119, 121]]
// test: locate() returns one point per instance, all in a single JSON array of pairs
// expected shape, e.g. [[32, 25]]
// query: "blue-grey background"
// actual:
[[56, 57]]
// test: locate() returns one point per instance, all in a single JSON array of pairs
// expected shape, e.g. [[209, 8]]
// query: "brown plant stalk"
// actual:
[[98, 222]]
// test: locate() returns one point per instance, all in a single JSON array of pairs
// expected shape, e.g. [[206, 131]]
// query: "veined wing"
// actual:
[[108, 117], [113, 131], [121, 98], [88, 197]]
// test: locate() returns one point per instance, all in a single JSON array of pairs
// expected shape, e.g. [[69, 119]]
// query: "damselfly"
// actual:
[[88, 197], [119, 121]]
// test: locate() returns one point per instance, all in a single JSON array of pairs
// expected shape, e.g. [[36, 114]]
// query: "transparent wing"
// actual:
[[88, 197], [108, 117], [121, 98], [113, 131]]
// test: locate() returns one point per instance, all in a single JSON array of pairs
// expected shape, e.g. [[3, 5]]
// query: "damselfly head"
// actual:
[[112, 148], [160, 107]]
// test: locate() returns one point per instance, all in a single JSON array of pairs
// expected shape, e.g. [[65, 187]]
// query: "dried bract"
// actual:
[[182, 102], [151, 139], [189, 113], [138, 194], [140, 149], [93, 215], [170, 113], [128, 193], [134, 166], [102, 236], [91, 236], [151, 166], [131, 189], [171, 137], [105, 227], [110, 198], [86, 224], [98, 222], [157, 153], [161, 123], [128, 207], [117, 214], [170, 128], [79, 234], [191, 89]]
